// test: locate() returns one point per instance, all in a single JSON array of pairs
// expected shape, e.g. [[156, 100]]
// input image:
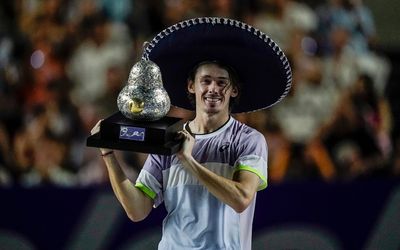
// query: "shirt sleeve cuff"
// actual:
[[263, 180], [147, 191]]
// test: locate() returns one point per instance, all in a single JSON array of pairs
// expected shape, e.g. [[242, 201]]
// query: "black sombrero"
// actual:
[[263, 69]]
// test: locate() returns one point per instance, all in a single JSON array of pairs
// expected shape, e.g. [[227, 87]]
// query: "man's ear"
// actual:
[[235, 92], [190, 86]]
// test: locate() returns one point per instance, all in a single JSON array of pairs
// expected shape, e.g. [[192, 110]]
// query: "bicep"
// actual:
[[249, 181]]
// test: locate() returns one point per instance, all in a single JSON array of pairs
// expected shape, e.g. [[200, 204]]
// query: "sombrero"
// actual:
[[263, 69]]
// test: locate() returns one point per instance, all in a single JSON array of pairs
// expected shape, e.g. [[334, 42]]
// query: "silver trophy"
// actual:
[[141, 124], [144, 97]]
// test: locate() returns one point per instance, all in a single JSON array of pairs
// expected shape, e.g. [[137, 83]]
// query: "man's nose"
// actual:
[[213, 87]]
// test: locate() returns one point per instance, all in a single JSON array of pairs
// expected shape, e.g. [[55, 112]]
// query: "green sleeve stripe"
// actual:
[[255, 171], [146, 190]]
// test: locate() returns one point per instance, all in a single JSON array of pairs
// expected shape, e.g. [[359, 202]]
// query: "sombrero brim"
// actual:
[[263, 69]]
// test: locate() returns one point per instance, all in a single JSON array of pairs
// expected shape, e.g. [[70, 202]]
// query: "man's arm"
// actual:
[[237, 193], [136, 204]]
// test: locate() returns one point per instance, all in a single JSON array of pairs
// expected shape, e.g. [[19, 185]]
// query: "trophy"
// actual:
[[141, 125]]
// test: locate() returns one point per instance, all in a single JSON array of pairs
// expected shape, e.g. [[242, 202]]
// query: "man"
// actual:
[[209, 186]]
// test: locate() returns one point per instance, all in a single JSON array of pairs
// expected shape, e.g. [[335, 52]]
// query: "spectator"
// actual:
[[354, 16], [49, 155], [93, 57], [115, 81], [176, 11], [310, 104], [41, 154], [223, 8], [47, 33], [355, 19], [355, 142], [279, 19], [339, 68]]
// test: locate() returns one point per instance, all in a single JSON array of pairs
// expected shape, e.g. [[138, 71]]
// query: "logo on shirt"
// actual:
[[224, 146]]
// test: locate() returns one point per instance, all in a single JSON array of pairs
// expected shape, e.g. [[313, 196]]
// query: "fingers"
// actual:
[[187, 133], [187, 128], [96, 127], [183, 134]]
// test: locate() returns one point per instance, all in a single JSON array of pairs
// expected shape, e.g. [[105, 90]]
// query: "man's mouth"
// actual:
[[213, 99]]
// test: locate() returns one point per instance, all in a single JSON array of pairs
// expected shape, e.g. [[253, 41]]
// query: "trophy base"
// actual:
[[154, 137]]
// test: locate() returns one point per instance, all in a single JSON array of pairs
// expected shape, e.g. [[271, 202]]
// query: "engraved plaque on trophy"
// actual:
[[141, 125]]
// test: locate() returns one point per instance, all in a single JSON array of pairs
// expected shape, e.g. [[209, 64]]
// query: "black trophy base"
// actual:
[[154, 137]]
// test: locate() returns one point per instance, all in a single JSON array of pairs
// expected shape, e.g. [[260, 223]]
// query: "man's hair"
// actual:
[[233, 80]]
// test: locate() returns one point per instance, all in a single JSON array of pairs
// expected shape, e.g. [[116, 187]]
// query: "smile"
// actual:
[[212, 99]]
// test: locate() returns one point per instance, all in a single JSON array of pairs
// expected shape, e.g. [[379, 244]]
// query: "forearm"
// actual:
[[135, 203], [231, 192]]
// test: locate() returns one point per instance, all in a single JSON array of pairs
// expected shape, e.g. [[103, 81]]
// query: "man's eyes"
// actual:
[[220, 83], [206, 81]]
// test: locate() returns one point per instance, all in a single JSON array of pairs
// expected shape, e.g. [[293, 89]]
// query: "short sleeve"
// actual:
[[252, 156], [150, 179]]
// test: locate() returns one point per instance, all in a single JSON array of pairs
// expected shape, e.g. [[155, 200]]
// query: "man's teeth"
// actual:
[[212, 99]]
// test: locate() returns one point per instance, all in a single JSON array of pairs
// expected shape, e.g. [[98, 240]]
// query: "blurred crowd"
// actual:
[[63, 63]]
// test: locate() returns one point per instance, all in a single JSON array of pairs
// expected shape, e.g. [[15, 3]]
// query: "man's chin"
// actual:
[[213, 110]]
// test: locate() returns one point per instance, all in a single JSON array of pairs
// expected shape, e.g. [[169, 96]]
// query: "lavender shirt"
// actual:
[[196, 219]]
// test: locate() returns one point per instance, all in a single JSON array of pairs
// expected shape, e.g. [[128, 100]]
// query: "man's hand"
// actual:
[[95, 130], [186, 149]]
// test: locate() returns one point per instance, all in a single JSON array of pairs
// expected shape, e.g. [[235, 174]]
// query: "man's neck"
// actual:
[[205, 123]]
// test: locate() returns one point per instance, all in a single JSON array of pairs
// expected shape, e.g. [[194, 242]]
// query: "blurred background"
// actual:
[[334, 141]]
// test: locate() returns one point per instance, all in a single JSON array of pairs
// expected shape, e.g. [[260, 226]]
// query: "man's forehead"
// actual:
[[212, 70]]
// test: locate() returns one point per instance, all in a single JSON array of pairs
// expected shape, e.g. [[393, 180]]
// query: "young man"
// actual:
[[209, 186]]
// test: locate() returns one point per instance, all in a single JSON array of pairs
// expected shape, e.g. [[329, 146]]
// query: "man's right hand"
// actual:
[[95, 130]]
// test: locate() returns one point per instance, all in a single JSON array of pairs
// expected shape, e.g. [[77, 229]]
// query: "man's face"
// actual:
[[212, 89]]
